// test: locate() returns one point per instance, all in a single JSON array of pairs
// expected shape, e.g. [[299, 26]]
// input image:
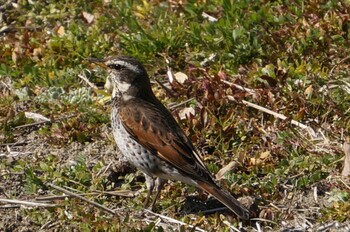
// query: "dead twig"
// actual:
[[231, 226], [44, 122], [87, 81], [280, 116], [341, 61], [346, 185], [97, 205], [346, 149], [250, 91], [48, 225], [104, 170], [265, 110], [14, 153], [209, 17], [277, 115], [263, 220], [172, 220], [168, 90], [122, 193], [174, 106], [13, 144], [27, 203]]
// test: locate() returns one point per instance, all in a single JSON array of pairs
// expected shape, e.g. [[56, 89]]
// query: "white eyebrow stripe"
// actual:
[[127, 65]]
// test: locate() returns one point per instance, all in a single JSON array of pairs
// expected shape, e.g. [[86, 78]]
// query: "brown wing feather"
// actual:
[[156, 129]]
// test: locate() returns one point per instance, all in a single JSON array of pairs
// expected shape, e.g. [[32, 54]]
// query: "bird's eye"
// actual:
[[114, 66]]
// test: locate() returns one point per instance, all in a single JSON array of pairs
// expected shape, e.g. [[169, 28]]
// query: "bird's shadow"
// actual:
[[194, 205]]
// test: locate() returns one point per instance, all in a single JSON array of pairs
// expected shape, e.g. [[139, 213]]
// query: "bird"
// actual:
[[150, 138]]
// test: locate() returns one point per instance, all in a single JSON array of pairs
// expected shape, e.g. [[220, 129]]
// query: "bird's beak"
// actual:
[[99, 62]]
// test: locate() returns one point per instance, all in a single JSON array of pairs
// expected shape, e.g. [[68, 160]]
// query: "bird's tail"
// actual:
[[225, 198]]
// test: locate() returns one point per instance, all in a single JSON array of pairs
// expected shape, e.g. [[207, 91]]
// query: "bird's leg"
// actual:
[[159, 185], [150, 186]]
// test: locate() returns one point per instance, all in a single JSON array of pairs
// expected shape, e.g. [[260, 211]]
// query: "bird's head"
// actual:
[[127, 74]]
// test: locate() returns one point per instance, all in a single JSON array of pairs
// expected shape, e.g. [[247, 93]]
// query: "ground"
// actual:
[[296, 210]]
